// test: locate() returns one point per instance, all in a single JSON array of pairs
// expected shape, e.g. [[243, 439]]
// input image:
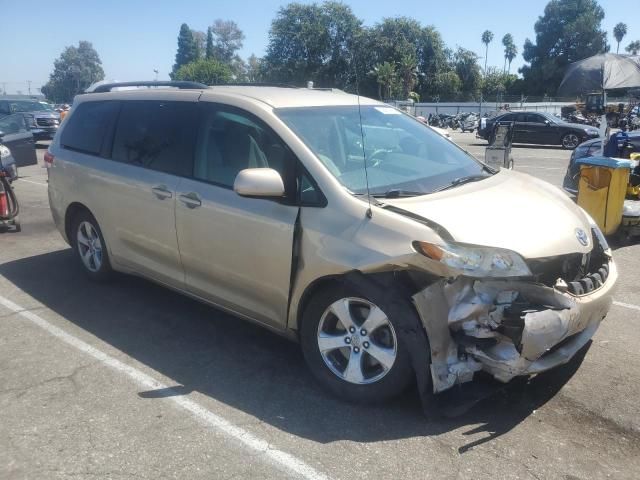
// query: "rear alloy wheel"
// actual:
[[570, 141], [352, 347], [90, 247]]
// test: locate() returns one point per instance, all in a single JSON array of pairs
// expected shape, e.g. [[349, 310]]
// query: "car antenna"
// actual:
[[369, 212]]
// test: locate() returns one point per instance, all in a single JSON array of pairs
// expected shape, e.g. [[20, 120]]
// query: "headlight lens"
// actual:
[[4, 151], [475, 261]]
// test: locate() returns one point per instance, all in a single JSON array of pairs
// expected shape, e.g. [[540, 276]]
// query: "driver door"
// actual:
[[236, 251]]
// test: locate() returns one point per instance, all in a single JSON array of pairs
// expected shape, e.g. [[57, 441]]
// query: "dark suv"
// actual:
[[541, 128], [589, 148], [41, 118]]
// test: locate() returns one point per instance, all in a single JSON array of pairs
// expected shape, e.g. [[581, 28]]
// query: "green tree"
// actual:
[[496, 82], [568, 31], [200, 41], [209, 47], [468, 71], [227, 40], [75, 70], [253, 69], [634, 47], [447, 85], [312, 42], [207, 71], [487, 38], [619, 31], [187, 49]]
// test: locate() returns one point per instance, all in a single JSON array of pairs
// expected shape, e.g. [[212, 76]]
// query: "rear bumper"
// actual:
[[469, 328]]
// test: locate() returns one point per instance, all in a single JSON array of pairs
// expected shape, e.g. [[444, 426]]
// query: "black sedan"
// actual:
[[589, 148], [541, 128]]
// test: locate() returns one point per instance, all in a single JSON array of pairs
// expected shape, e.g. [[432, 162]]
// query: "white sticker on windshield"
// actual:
[[387, 110]]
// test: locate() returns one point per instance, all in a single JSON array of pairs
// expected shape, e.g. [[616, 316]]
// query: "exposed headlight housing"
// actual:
[[475, 261], [4, 151]]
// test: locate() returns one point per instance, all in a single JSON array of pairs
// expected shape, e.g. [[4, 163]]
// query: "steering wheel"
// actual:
[[376, 157]]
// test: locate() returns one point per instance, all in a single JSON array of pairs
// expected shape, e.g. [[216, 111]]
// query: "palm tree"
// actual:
[[634, 47], [507, 41], [510, 52], [619, 31], [408, 70], [385, 74], [487, 37]]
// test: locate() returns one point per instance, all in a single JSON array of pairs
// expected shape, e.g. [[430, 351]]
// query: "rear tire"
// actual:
[[90, 247], [570, 141], [357, 365]]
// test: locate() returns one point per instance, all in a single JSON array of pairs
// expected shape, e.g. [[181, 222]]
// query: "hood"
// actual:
[[509, 210]]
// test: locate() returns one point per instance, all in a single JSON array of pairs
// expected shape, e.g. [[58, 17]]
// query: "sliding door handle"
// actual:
[[162, 192]]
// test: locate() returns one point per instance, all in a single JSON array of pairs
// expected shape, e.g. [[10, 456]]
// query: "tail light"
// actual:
[[4, 205], [48, 159]]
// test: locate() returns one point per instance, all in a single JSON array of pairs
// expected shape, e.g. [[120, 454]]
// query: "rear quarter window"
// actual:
[[90, 127]]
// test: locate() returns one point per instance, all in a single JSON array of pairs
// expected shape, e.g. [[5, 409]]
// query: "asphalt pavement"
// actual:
[[130, 380]]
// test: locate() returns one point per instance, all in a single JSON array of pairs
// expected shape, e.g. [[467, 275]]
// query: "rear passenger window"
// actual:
[[157, 135], [89, 127]]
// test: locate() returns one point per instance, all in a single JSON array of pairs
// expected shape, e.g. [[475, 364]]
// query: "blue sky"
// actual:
[[134, 37]]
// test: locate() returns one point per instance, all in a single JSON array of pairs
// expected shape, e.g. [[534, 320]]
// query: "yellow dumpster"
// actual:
[[602, 188]]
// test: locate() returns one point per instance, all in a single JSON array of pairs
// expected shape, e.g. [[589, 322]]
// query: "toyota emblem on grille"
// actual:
[[582, 237]]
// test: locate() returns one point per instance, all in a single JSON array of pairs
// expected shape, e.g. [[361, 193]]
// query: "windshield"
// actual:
[[27, 106], [402, 154]]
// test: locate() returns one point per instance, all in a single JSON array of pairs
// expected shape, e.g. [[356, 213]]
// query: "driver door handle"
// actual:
[[162, 192], [191, 199]]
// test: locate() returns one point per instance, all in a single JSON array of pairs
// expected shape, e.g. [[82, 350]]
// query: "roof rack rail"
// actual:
[[256, 84], [183, 85]]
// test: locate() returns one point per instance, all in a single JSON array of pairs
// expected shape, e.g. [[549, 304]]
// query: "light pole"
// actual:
[[155, 70], [29, 86]]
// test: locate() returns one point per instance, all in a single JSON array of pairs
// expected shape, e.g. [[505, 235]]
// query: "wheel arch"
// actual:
[[72, 211]]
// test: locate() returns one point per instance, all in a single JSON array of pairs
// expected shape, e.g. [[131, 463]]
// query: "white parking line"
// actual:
[[281, 459], [627, 305], [31, 181]]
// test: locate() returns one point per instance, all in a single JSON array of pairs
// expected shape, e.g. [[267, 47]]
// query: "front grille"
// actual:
[[582, 273], [46, 122]]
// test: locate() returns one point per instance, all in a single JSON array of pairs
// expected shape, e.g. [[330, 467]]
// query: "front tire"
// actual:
[[570, 141], [352, 346], [90, 247]]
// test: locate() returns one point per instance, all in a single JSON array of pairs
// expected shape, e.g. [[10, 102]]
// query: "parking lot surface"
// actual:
[[131, 380]]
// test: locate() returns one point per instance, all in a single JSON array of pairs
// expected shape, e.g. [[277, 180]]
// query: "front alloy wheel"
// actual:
[[356, 340], [352, 343], [570, 141]]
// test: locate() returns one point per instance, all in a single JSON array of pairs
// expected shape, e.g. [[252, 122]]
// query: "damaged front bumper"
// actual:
[[507, 328]]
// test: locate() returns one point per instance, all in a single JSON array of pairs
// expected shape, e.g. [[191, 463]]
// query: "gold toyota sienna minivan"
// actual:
[[388, 252]]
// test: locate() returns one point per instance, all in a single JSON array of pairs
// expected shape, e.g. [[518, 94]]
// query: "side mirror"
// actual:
[[259, 182], [547, 123]]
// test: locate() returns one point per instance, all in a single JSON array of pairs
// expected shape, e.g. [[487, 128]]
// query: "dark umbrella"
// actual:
[[600, 72]]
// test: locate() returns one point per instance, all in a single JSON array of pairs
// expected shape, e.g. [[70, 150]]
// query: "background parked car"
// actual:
[[41, 118], [541, 128], [15, 135], [589, 148]]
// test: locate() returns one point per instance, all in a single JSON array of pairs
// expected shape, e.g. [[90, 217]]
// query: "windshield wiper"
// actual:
[[397, 193], [461, 181]]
